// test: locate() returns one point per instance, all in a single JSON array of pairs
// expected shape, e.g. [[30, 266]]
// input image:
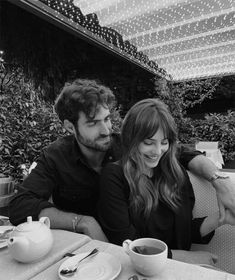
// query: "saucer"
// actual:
[[103, 266], [3, 242]]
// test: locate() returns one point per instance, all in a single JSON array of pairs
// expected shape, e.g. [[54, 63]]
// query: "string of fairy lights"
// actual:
[[66, 9], [177, 34], [178, 39]]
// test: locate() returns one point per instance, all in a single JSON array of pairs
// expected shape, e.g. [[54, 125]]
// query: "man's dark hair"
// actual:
[[82, 96]]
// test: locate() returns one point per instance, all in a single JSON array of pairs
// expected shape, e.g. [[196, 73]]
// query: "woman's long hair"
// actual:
[[141, 122]]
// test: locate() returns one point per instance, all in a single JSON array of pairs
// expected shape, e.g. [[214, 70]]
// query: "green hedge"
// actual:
[[213, 127], [27, 124], [217, 127]]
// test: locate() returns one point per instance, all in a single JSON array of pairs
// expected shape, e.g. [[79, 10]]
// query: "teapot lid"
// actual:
[[29, 225]]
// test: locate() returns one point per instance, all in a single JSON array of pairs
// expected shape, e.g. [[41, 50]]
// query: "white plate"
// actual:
[[103, 266], [2, 229]]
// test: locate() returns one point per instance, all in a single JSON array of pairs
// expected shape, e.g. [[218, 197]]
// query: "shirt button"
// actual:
[[110, 158]]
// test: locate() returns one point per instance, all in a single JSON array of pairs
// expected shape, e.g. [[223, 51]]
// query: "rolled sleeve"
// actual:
[[34, 193], [186, 154], [196, 235]]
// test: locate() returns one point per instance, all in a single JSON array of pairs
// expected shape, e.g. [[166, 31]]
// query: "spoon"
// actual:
[[69, 271], [6, 233]]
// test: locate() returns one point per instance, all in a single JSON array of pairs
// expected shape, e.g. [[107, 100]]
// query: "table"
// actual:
[[64, 242], [175, 270]]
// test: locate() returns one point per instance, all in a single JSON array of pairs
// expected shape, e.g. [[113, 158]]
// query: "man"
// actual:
[[68, 169]]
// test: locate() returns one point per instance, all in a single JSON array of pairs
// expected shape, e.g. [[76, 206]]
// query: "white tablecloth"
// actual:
[[174, 270], [64, 241]]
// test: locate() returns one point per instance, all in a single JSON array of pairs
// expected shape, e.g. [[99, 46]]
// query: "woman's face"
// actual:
[[152, 149]]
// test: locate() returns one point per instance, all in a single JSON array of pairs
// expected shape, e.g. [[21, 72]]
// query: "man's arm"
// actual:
[[33, 200], [74, 222], [225, 189], [33, 195]]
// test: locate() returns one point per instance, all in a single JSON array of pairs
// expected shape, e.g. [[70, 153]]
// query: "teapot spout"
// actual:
[[17, 245]]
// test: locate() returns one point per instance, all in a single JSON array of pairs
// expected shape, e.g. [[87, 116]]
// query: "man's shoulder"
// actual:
[[113, 169], [61, 144]]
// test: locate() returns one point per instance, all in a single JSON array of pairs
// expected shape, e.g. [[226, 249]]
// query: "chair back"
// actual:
[[223, 242]]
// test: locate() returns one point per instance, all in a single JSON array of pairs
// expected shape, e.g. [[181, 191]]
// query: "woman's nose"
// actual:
[[158, 149]]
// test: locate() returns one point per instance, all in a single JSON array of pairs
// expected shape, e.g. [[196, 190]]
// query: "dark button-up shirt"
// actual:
[[63, 174]]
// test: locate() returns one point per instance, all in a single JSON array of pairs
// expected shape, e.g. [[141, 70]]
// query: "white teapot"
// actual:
[[30, 241]]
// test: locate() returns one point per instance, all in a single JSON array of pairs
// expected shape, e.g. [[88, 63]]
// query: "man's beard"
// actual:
[[92, 144]]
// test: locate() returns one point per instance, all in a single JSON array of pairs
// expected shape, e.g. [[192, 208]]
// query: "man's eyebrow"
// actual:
[[97, 120], [91, 120]]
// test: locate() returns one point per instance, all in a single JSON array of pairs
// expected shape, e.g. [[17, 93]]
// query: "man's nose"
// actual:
[[105, 128]]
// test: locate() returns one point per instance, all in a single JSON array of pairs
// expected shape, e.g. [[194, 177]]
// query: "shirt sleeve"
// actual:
[[34, 193], [113, 206], [196, 235], [186, 154]]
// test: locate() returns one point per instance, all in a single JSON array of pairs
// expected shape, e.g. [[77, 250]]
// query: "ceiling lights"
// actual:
[[178, 39], [189, 39]]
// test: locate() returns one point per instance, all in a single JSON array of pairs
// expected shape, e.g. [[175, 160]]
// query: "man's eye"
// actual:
[[107, 119], [91, 123]]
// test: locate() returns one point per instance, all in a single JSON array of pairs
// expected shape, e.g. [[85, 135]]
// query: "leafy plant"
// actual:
[[214, 127], [27, 124], [217, 127]]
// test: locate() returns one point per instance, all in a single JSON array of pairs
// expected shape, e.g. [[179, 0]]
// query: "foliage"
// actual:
[[214, 127], [27, 124], [217, 127]]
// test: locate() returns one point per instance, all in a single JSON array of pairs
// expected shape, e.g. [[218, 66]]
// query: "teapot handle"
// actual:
[[126, 246], [45, 220]]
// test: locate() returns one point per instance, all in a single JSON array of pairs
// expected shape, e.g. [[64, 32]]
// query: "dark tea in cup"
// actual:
[[147, 250], [148, 255]]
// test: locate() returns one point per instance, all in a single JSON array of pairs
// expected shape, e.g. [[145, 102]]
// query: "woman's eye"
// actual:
[[166, 142], [147, 142]]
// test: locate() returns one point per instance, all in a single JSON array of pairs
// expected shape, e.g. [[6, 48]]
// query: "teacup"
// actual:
[[6, 186], [148, 255]]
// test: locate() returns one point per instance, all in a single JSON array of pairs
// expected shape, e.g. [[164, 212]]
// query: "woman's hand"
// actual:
[[195, 257]]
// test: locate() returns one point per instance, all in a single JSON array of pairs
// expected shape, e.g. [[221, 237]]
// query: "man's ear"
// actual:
[[69, 126]]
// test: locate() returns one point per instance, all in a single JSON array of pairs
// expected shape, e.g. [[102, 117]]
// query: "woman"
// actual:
[[148, 193]]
